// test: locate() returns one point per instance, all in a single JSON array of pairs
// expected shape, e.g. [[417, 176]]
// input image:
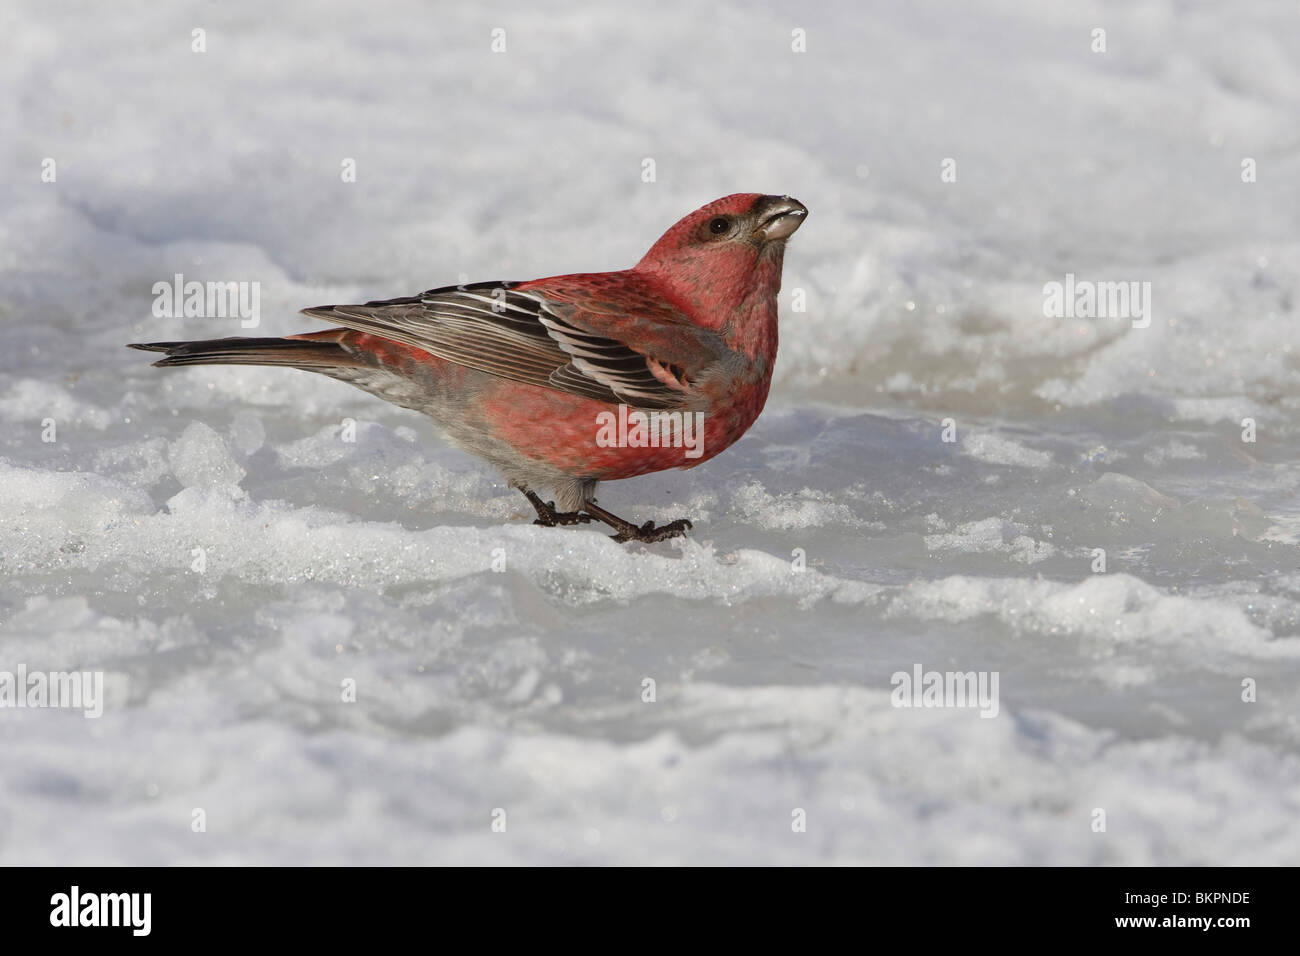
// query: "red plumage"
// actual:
[[531, 375]]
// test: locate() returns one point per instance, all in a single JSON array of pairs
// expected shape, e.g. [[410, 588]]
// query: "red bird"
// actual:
[[569, 381]]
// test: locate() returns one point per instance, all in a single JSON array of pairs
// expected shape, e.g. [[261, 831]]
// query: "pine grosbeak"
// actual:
[[565, 382]]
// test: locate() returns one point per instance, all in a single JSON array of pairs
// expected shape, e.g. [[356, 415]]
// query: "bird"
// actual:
[[564, 382]]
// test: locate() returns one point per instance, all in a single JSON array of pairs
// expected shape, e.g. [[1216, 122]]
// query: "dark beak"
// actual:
[[779, 216]]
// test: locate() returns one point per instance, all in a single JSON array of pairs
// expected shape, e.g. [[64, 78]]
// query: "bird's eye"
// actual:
[[718, 225]]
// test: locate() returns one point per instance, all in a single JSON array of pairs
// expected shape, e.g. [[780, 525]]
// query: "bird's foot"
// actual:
[[548, 517], [556, 518], [648, 531]]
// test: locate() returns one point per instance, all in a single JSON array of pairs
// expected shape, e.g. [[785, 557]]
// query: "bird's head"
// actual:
[[740, 226], [726, 252]]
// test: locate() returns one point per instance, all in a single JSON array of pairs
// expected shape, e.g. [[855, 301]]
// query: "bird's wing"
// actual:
[[568, 338]]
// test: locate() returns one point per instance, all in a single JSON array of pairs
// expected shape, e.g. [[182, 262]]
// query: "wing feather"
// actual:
[[525, 336]]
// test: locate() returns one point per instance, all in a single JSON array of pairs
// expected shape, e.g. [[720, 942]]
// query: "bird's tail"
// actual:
[[297, 352]]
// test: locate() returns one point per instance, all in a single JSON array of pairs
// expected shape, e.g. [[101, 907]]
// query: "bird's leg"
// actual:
[[627, 531], [548, 517]]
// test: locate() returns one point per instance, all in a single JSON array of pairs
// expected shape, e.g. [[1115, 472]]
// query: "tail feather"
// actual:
[[295, 353]]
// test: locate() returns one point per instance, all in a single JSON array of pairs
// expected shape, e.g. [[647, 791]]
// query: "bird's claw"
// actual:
[[648, 532], [548, 517]]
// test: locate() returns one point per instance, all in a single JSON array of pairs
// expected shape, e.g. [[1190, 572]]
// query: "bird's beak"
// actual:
[[778, 217]]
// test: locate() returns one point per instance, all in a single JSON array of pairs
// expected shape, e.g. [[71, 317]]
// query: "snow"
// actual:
[[237, 550]]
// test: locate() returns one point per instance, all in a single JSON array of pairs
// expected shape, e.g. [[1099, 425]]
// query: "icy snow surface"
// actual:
[[206, 539]]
